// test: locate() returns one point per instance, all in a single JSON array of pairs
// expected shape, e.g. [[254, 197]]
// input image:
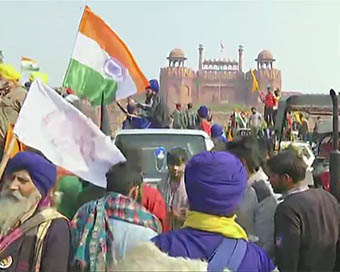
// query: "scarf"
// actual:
[[92, 235], [153, 201], [42, 221], [213, 223]]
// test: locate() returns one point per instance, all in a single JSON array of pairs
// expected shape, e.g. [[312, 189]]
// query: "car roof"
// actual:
[[192, 132]]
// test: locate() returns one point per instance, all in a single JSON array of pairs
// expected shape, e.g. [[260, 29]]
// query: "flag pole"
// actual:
[[7, 155], [102, 112]]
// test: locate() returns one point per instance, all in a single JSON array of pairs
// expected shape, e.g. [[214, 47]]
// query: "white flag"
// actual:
[[68, 138]]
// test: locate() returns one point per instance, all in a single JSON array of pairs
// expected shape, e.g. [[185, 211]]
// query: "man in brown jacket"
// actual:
[[33, 235], [12, 96]]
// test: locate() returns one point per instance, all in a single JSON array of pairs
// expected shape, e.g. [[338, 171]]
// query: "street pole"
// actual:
[[335, 154]]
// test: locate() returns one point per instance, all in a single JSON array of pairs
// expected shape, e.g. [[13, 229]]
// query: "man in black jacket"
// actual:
[[306, 222]]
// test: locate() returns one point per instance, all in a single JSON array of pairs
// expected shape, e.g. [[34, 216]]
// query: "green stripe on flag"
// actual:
[[90, 84]]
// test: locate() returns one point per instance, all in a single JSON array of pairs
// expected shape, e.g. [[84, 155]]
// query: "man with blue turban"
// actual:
[[133, 121], [215, 184], [155, 108], [203, 115], [33, 235], [217, 135]]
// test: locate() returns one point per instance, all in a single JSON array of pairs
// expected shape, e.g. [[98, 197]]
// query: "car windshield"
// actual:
[[155, 147]]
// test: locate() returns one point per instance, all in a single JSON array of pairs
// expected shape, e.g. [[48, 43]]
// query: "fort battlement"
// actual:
[[178, 72], [220, 75]]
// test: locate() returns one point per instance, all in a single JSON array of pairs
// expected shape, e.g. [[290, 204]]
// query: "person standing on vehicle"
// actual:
[[203, 114], [191, 117], [255, 121], [133, 121], [306, 222], [178, 117], [269, 103], [304, 128], [277, 97], [155, 108], [316, 129], [217, 135]]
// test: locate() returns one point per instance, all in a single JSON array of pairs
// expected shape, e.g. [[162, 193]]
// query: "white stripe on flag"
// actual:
[[89, 53]]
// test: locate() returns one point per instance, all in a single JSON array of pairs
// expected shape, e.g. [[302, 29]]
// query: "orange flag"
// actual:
[[18, 146], [230, 137]]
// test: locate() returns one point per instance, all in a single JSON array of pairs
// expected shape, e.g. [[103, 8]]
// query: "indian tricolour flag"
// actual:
[[28, 64], [102, 67]]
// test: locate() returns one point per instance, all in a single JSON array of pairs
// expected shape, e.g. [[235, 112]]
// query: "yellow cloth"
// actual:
[[297, 117], [255, 84], [230, 137], [213, 223], [9, 72], [40, 75]]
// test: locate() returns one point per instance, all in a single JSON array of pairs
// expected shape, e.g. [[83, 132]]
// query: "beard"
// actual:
[[280, 188], [18, 209]]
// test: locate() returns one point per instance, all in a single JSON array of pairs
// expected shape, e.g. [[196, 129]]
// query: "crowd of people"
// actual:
[[231, 208]]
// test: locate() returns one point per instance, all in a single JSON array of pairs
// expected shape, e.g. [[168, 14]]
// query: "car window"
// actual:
[[155, 147]]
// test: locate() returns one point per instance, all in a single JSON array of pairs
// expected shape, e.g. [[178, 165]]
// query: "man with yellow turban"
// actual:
[[12, 96]]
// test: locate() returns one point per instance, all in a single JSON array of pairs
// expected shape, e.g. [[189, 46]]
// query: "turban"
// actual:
[[215, 182], [9, 72], [42, 172], [154, 85], [203, 111], [216, 131]]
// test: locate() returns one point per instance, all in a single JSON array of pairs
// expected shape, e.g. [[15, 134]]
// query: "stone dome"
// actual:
[[177, 53], [265, 55]]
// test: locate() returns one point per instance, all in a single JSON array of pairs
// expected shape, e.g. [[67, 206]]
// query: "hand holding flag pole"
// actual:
[[125, 111]]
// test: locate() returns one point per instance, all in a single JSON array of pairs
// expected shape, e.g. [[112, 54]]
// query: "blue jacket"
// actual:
[[196, 244]]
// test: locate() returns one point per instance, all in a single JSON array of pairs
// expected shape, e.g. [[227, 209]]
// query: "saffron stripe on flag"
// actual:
[[90, 83], [96, 29]]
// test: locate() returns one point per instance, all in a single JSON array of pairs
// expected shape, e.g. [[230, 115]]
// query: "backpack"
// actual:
[[229, 254]]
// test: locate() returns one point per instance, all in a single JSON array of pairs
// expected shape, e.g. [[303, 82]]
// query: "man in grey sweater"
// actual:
[[256, 212]]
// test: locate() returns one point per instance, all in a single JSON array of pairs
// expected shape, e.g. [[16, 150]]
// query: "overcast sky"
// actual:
[[303, 36]]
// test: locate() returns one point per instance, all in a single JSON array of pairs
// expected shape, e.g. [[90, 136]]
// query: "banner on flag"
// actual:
[[28, 64], [255, 83], [68, 138], [102, 64]]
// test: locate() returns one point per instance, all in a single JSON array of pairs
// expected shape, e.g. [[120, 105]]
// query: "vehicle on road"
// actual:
[[155, 143]]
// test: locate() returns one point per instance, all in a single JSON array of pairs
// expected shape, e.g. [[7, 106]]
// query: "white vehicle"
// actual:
[[155, 143], [306, 152], [304, 149]]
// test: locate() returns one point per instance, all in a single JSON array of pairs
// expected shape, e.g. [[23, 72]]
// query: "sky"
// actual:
[[303, 36]]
